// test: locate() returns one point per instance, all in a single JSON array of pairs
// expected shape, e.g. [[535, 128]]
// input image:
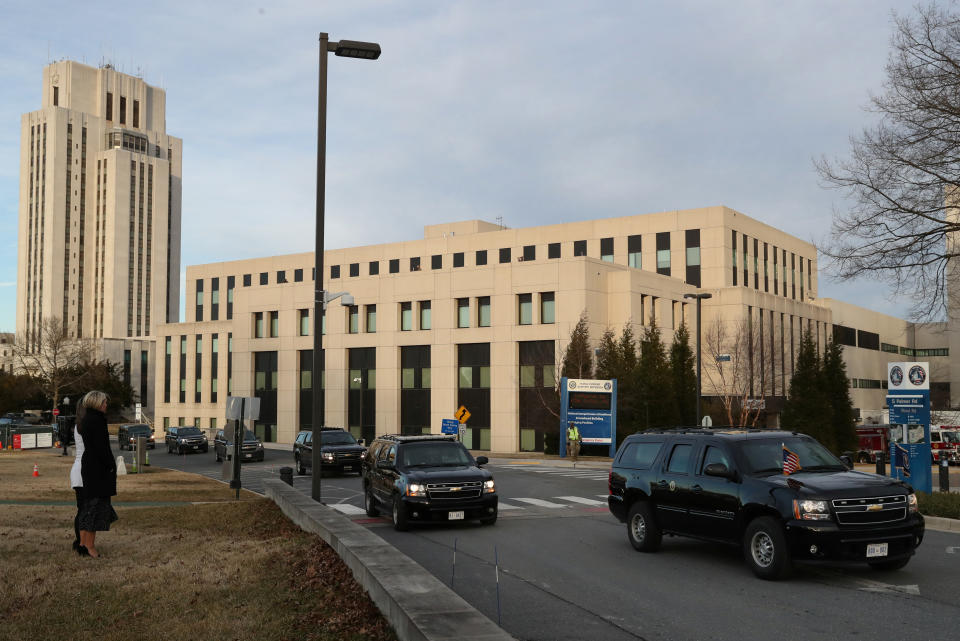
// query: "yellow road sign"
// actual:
[[462, 414]]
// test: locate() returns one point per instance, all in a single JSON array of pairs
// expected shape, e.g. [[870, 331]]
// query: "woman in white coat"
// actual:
[[76, 480]]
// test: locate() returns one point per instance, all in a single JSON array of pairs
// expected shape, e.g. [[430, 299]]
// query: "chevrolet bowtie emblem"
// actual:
[[874, 508], [455, 489]]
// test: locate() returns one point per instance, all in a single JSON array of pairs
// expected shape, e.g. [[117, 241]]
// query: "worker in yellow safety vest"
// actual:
[[573, 441]]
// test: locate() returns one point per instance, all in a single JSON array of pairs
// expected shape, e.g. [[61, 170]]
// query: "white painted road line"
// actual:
[[506, 506], [538, 502], [581, 500], [349, 510]]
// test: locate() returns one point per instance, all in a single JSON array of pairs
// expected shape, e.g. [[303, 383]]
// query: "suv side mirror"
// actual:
[[719, 469], [847, 461], [386, 465], [482, 460], [359, 441]]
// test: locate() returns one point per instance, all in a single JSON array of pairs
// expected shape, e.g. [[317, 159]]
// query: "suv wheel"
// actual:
[[399, 515], [490, 520], [301, 470], [765, 548], [642, 530], [895, 564], [370, 503]]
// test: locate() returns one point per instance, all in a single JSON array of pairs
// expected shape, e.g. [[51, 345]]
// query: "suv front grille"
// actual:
[[870, 510], [347, 457], [455, 491]]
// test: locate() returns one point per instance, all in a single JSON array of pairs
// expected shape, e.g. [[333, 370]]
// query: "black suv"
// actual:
[[340, 451], [250, 450], [181, 440], [730, 486], [427, 478], [127, 436]]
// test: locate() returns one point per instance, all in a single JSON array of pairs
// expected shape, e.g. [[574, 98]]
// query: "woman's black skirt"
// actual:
[[96, 514]]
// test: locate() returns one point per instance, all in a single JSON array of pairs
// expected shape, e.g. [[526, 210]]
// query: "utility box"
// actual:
[[228, 467], [140, 453]]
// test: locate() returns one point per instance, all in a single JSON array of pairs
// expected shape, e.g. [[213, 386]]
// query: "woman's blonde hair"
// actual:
[[94, 399]]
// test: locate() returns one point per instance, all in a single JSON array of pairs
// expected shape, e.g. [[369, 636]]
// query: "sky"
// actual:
[[536, 112]]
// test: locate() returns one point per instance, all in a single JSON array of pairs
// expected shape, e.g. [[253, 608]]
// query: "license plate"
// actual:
[[877, 549], [248, 455], [455, 516], [196, 447]]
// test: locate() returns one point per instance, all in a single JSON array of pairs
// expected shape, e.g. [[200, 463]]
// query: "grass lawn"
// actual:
[[218, 569]]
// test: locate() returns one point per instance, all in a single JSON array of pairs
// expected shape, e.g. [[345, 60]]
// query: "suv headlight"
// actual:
[[808, 510], [328, 456], [912, 502], [489, 486], [416, 489]]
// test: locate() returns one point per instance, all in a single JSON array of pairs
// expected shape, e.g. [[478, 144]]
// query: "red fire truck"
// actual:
[[945, 443], [874, 440]]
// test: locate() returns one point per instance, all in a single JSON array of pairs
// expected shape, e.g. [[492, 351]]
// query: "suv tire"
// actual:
[[301, 470], [642, 529], [765, 549], [370, 503], [399, 515], [490, 520], [895, 564]]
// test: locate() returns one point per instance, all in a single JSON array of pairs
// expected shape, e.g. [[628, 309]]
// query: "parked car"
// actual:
[[181, 440], [127, 436], [730, 486], [341, 452], [428, 478], [250, 450]]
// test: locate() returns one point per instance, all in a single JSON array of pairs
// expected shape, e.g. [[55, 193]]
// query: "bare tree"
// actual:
[[54, 358], [734, 369], [902, 174]]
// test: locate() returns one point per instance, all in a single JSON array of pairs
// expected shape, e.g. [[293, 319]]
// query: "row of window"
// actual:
[[196, 422], [121, 112], [870, 340], [779, 263]]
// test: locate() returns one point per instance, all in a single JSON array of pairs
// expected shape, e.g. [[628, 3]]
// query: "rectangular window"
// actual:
[[394, 265], [634, 258], [481, 257], [374, 267], [547, 314], [258, 324], [353, 319], [123, 110], [734, 259], [56, 96], [109, 106], [483, 311], [606, 249], [756, 264], [504, 255], [371, 319], [354, 270], [525, 309], [264, 278], [298, 275], [406, 317], [529, 252], [214, 299], [136, 113], [424, 314], [246, 280], [281, 277], [692, 237], [663, 253], [436, 261], [303, 322], [553, 250], [199, 307], [274, 324], [415, 264], [458, 259], [463, 312], [887, 347], [334, 271]]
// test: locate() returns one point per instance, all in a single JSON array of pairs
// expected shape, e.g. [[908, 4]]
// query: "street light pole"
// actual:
[[345, 49], [699, 298]]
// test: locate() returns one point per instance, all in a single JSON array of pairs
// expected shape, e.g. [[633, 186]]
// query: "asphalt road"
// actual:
[[557, 565]]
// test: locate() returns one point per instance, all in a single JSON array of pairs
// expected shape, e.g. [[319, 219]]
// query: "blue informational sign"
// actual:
[[449, 426], [908, 399], [591, 405]]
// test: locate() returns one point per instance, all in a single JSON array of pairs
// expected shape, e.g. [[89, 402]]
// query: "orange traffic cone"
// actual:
[[36, 470]]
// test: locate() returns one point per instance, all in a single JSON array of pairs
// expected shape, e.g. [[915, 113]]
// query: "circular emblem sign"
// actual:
[[917, 375], [607, 386], [896, 376], [571, 384]]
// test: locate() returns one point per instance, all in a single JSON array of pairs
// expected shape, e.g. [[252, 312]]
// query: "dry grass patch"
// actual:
[[230, 570]]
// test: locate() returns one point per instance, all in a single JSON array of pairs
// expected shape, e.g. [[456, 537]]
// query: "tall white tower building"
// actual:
[[100, 189]]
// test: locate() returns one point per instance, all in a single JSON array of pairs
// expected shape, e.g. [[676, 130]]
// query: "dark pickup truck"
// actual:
[[730, 486]]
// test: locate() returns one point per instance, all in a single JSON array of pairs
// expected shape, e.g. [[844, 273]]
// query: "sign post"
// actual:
[[908, 399], [239, 409], [591, 405]]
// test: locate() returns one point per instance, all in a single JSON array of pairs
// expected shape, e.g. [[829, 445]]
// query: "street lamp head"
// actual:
[[356, 49], [703, 296]]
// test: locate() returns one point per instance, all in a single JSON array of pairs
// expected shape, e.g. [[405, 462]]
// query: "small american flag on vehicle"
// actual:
[[791, 462]]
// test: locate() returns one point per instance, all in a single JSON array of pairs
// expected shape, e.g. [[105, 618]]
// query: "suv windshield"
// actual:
[[138, 429], [188, 431], [766, 455], [435, 453], [337, 438]]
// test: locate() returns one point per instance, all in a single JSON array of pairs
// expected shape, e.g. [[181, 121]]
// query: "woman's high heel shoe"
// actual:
[[82, 550]]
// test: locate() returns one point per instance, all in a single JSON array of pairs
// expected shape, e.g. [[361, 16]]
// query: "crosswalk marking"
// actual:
[[506, 506], [581, 500], [349, 510], [538, 502]]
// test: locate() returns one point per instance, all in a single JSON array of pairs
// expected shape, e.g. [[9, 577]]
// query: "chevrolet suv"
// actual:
[[251, 449], [730, 486], [127, 436], [180, 440], [428, 478], [338, 449]]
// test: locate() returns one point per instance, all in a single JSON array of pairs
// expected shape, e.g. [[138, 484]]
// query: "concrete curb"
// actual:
[[416, 603], [941, 524]]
